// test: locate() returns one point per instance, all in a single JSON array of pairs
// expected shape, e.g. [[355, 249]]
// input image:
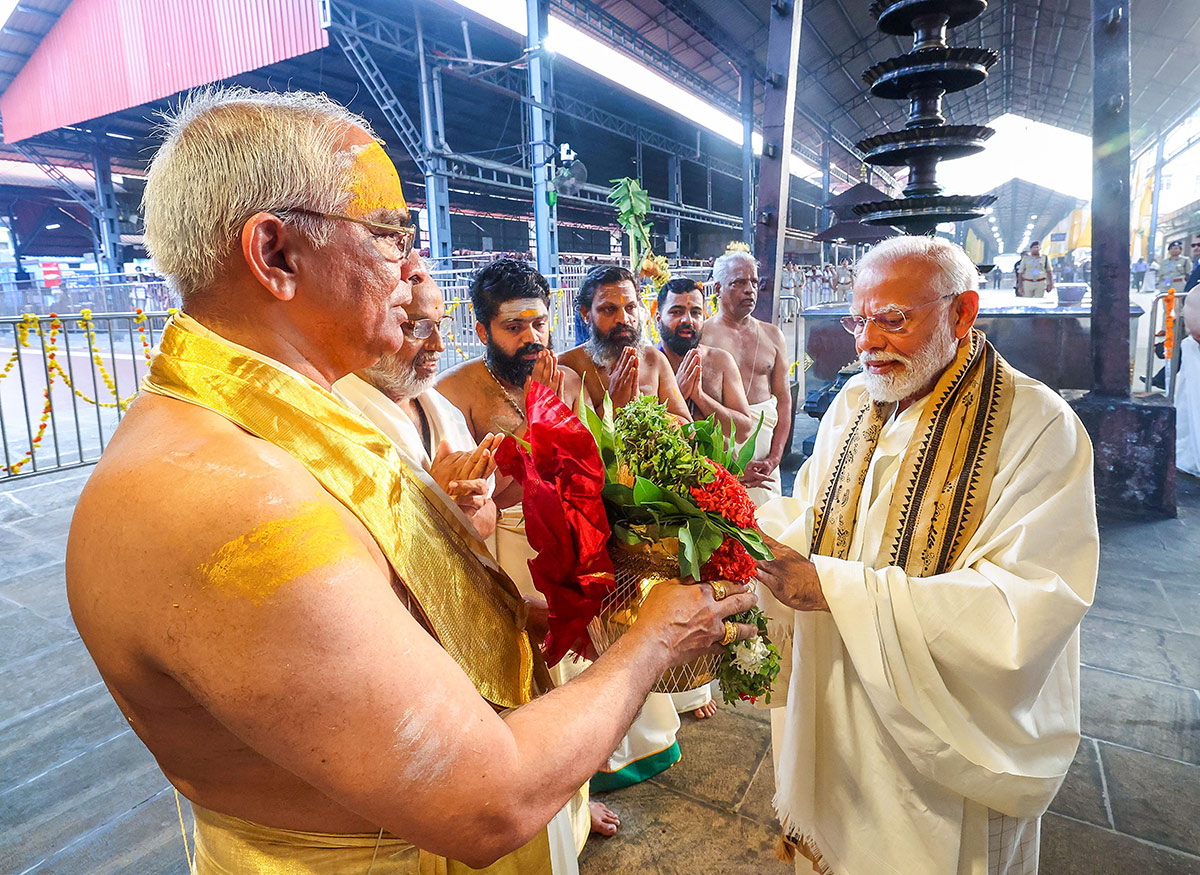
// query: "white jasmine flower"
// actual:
[[748, 655]]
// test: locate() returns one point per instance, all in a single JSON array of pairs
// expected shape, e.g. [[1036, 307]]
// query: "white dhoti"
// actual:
[[769, 411], [650, 746], [690, 700], [1187, 407]]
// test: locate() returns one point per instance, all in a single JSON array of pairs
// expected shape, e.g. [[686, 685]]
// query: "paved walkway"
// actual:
[[79, 794]]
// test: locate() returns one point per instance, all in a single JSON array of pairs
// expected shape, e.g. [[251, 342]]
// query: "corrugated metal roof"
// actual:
[[103, 56]]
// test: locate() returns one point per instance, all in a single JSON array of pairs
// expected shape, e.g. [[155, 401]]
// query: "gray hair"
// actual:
[[954, 268], [724, 266], [229, 153]]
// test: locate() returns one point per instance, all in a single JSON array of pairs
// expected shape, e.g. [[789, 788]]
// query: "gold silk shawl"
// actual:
[[473, 609], [946, 472]]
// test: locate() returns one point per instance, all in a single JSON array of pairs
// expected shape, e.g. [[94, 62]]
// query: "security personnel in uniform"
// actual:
[[1174, 269], [1033, 273]]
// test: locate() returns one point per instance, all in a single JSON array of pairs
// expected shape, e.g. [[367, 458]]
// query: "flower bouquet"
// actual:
[[667, 499]]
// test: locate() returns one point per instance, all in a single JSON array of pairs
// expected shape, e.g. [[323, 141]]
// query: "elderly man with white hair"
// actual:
[[761, 357], [936, 560]]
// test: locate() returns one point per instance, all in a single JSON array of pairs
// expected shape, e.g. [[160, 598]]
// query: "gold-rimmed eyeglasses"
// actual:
[[891, 320], [394, 242]]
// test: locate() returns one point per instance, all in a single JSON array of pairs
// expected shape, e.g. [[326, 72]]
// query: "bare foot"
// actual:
[[705, 711], [604, 819]]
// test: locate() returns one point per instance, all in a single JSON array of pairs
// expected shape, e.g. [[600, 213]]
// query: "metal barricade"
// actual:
[[65, 383], [1175, 335]]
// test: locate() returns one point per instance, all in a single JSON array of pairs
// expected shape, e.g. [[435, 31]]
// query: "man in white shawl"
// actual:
[[948, 515], [397, 395], [759, 350]]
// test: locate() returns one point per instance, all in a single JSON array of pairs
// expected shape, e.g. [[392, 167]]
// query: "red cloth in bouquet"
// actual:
[[562, 478]]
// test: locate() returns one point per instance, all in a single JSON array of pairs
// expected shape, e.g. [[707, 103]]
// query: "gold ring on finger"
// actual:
[[718, 588], [730, 634]]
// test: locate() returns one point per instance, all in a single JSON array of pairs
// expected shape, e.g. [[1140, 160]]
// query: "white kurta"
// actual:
[[1187, 407], [930, 721], [567, 830]]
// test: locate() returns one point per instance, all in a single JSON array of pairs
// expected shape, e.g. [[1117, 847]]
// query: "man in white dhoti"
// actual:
[[761, 356], [948, 515], [1187, 390], [711, 384]]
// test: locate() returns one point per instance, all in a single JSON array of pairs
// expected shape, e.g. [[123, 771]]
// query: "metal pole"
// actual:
[[1158, 168], [826, 194], [437, 183], [774, 175], [109, 237], [541, 135], [1110, 197], [675, 179], [747, 100]]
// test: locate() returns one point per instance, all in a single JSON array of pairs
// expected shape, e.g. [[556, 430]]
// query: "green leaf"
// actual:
[[688, 555], [645, 492], [747, 451]]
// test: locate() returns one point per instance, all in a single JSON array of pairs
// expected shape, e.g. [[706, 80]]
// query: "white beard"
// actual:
[[397, 381], [917, 371]]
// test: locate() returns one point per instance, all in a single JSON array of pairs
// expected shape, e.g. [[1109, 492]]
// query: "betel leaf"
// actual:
[[746, 453]]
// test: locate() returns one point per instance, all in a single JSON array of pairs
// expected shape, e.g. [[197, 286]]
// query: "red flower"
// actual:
[[730, 561], [562, 478], [725, 495]]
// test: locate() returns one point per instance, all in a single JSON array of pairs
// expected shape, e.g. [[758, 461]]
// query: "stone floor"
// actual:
[[79, 794]]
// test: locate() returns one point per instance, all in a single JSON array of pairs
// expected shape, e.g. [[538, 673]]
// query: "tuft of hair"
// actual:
[[229, 153], [503, 280], [680, 286], [955, 271], [724, 266], [601, 275]]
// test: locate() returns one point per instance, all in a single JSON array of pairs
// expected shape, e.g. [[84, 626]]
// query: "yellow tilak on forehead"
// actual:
[[375, 185], [258, 563]]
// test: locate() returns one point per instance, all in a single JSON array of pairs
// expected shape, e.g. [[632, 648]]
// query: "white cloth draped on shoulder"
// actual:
[[1187, 407], [446, 422], [930, 720]]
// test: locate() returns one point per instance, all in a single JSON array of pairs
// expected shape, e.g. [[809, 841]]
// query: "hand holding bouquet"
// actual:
[[665, 498]]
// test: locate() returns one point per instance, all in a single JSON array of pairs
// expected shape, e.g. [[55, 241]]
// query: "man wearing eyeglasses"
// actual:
[[761, 357], [324, 661], [397, 395], [937, 557]]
